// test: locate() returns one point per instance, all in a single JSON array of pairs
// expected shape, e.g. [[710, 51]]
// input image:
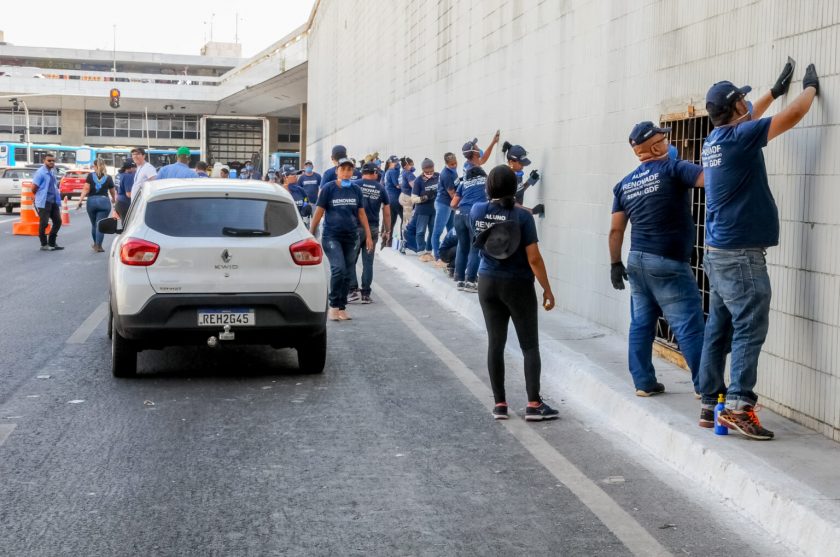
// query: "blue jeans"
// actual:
[[659, 284], [444, 217], [367, 262], [98, 208], [739, 316], [466, 259], [342, 255], [424, 222]]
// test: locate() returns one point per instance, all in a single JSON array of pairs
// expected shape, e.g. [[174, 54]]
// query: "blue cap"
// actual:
[[370, 168], [643, 131], [470, 147], [339, 152], [519, 154], [724, 93]]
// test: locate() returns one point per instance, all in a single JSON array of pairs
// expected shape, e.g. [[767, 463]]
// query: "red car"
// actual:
[[73, 183]]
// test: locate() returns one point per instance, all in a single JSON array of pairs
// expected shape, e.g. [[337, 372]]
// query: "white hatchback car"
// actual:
[[210, 261]]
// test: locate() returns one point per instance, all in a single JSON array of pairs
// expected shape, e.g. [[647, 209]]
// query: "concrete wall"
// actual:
[[567, 79]]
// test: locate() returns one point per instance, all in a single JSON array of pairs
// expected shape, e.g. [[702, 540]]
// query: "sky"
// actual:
[[155, 26]]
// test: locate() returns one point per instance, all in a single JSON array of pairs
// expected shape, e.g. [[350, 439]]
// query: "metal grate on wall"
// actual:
[[688, 135]]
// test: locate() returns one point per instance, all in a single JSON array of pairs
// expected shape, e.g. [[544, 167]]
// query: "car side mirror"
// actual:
[[108, 226]]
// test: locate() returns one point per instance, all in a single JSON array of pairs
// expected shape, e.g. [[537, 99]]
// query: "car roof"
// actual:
[[213, 187]]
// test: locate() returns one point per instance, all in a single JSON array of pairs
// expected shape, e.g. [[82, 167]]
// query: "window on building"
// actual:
[[41, 122], [134, 124], [288, 130], [688, 135]]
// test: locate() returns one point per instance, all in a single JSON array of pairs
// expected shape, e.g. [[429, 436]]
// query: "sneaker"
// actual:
[[56, 248], [500, 412], [46, 248], [746, 423], [460, 285], [471, 287], [658, 388], [402, 250], [354, 296], [540, 413], [366, 299], [333, 314], [707, 417]]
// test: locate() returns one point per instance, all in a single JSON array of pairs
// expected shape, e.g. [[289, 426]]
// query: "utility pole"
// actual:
[[114, 67], [15, 101]]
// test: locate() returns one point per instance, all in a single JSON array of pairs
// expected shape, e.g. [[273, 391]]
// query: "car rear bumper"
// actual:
[[172, 319]]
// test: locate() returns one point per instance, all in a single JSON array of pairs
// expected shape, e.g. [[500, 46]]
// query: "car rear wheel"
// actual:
[[9, 208], [312, 354], [123, 355]]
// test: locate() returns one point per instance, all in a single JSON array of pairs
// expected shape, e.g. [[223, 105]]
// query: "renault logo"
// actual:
[[226, 257]]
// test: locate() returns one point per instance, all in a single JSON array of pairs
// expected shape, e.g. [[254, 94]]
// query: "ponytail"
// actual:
[[506, 147]]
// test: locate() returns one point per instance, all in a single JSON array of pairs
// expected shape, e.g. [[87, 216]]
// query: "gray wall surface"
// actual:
[[568, 79]]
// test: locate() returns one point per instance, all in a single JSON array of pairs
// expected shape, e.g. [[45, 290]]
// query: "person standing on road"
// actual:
[[392, 186], [180, 168], [339, 152], [145, 171], [444, 216], [407, 178], [742, 221], [100, 194], [423, 194], [654, 198], [310, 181], [374, 199], [517, 160], [47, 203], [510, 259], [287, 179], [125, 182], [340, 203]]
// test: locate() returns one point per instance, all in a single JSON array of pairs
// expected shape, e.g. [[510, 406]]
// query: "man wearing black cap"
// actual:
[[742, 221], [310, 181], [374, 199], [655, 199]]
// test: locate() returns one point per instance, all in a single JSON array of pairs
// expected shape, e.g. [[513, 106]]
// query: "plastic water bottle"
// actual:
[[720, 429]]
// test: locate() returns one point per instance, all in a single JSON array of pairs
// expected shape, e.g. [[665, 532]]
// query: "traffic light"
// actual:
[[115, 98]]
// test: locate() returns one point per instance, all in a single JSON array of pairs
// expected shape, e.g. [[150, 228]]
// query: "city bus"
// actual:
[[18, 154]]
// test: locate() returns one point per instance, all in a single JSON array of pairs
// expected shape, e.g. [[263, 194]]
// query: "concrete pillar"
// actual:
[[72, 127], [302, 134]]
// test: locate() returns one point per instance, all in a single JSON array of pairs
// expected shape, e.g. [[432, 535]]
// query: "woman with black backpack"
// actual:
[[510, 260]]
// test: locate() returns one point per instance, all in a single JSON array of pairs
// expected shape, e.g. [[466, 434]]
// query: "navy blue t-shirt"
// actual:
[[407, 181], [373, 197], [471, 190], [448, 179], [125, 182], [740, 209], [310, 185], [341, 210], [300, 197], [656, 200], [428, 188], [482, 216], [392, 184]]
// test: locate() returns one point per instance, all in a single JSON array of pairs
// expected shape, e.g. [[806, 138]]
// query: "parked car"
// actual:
[[11, 179], [73, 182], [215, 262]]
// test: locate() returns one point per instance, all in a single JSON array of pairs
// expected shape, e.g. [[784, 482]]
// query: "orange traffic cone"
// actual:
[[29, 221], [65, 213]]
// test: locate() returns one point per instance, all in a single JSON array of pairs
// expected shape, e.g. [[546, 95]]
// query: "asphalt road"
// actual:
[[231, 451]]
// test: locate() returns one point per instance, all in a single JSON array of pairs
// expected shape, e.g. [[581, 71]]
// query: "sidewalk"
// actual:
[[789, 486]]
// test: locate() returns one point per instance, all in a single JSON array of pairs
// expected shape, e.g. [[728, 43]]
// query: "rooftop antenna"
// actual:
[[212, 17]]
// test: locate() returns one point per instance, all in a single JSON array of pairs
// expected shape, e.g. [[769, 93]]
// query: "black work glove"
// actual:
[[811, 79], [783, 82], [538, 209], [533, 177], [618, 274]]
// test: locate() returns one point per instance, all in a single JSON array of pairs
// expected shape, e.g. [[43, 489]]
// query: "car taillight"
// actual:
[[307, 252], [138, 253]]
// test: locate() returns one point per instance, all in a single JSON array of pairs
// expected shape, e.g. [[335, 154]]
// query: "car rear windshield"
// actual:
[[210, 217]]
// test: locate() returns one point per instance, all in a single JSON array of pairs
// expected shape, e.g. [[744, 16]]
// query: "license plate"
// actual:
[[232, 317], [14, 200]]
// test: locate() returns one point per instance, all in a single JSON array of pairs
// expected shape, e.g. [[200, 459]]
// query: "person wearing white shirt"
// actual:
[[145, 171]]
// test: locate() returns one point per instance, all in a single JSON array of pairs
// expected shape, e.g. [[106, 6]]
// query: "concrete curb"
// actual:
[[798, 515]]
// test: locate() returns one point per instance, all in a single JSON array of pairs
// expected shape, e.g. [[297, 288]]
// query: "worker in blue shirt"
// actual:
[[201, 170], [742, 221], [655, 199], [517, 160], [340, 203], [339, 152], [180, 168], [375, 200], [407, 178], [444, 215], [392, 186], [47, 203], [423, 195], [310, 181]]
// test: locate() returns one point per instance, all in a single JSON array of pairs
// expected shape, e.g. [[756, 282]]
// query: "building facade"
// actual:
[[567, 79]]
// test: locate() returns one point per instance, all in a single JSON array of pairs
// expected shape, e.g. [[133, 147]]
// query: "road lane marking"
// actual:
[[8, 220], [81, 334], [5, 431], [632, 534]]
